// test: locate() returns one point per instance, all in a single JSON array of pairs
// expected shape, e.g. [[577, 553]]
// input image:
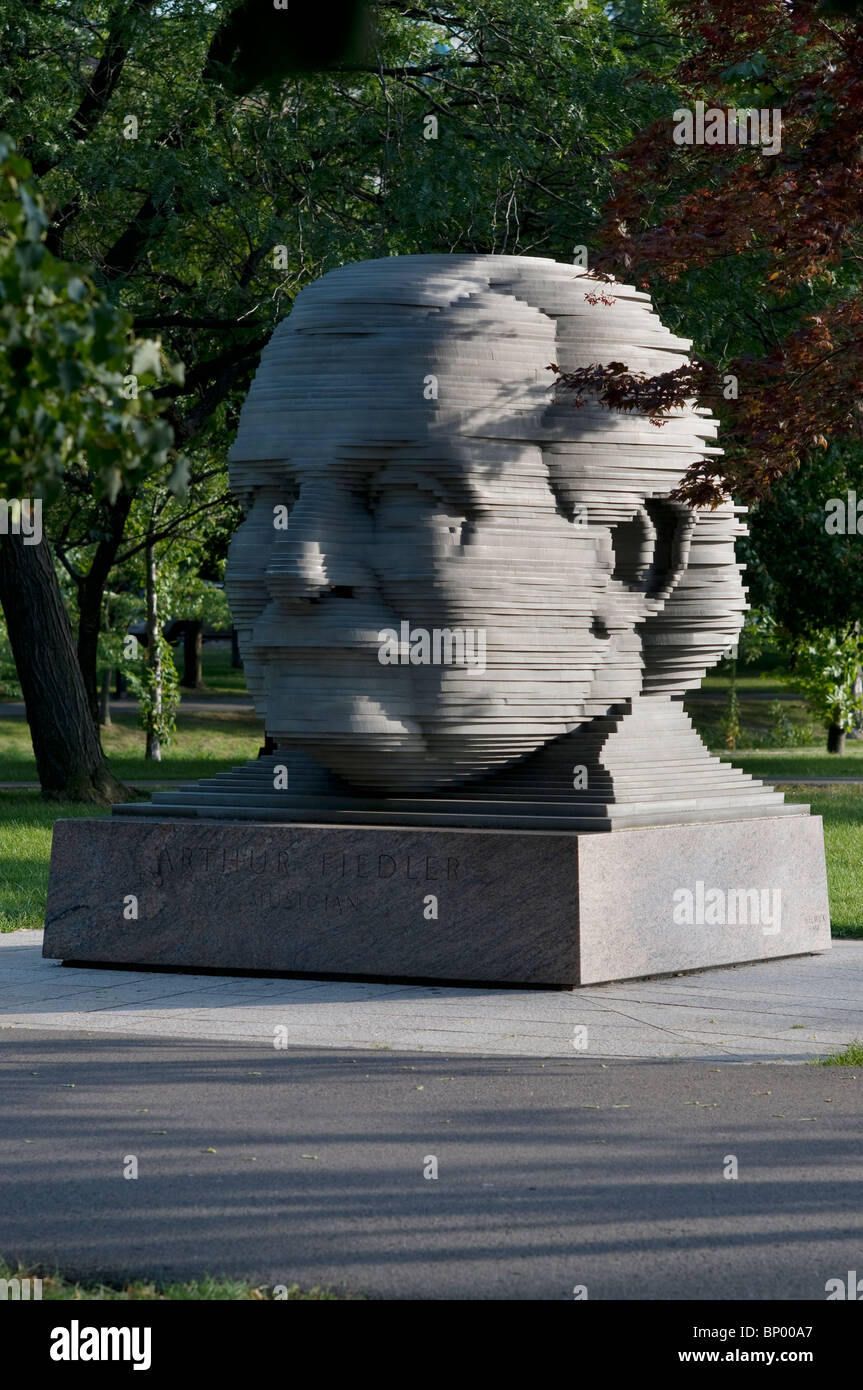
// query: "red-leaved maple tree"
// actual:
[[790, 224]]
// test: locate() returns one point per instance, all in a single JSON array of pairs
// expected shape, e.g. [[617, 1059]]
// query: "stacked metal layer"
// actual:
[[452, 588]]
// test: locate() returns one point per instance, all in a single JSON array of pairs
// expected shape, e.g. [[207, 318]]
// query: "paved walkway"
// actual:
[[555, 1167], [314, 1164], [786, 1010]]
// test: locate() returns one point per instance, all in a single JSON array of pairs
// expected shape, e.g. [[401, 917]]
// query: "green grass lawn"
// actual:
[[760, 682], [797, 739], [25, 849], [204, 743], [799, 762], [757, 721], [842, 810], [218, 674]]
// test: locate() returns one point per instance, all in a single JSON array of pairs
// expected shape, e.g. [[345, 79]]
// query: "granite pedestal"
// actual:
[[460, 905]]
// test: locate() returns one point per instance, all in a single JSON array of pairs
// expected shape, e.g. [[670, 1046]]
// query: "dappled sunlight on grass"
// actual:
[[205, 743]]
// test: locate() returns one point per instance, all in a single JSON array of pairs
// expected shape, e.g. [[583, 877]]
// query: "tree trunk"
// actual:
[[835, 739], [193, 645], [91, 594], [154, 658], [69, 756], [105, 700], [236, 659], [120, 684]]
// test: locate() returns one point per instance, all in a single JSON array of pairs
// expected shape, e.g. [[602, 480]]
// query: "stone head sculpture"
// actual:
[[444, 568]]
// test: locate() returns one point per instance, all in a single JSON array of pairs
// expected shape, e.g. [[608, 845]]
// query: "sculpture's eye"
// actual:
[[650, 551], [285, 499], [407, 502], [363, 491], [632, 542], [672, 522]]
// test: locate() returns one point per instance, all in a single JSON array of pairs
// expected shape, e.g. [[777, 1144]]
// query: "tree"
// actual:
[[805, 569], [60, 400], [204, 201], [801, 567], [758, 254], [826, 668], [157, 691], [195, 603], [92, 540], [161, 578]]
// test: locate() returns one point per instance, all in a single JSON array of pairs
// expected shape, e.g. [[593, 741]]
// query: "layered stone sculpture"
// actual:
[[410, 477], [468, 614]]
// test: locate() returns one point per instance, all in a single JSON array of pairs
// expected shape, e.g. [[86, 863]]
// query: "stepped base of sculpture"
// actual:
[[640, 764], [458, 905]]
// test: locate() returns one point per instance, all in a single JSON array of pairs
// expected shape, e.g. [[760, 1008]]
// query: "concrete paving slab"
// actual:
[[785, 1010]]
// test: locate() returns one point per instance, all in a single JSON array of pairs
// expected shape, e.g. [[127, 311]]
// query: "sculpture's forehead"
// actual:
[[422, 286], [442, 363], [437, 281]]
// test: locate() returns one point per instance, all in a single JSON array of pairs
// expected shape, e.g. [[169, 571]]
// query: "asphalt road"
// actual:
[[307, 1165]]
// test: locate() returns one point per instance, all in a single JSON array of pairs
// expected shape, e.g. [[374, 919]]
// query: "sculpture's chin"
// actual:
[[409, 766], [375, 735]]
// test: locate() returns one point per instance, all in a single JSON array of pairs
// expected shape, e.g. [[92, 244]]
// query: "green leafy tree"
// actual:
[[197, 603], [160, 578], [62, 408], [756, 255], [826, 668], [95, 541], [205, 182], [153, 679], [121, 609], [809, 577], [67, 356]]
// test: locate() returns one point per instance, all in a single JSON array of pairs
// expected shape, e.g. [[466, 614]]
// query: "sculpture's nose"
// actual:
[[313, 555]]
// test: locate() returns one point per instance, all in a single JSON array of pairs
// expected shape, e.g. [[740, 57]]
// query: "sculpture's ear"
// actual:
[[651, 550]]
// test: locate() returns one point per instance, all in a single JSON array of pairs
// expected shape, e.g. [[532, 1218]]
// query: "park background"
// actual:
[[173, 174]]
